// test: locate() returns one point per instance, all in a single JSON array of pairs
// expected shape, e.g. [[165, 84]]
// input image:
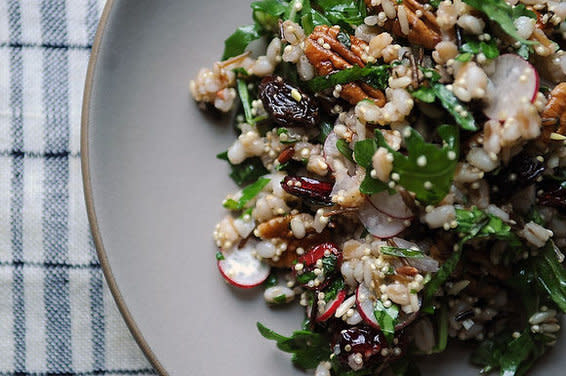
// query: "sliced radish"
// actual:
[[514, 82], [365, 301], [379, 224], [392, 205], [331, 307], [241, 268]]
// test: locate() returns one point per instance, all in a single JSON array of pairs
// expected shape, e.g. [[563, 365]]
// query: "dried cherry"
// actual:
[[287, 104], [309, 188]]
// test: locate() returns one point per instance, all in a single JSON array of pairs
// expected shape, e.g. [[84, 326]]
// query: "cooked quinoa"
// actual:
[[402, 167]]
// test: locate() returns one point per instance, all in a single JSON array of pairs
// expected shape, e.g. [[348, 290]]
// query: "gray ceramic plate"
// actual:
[[154, 188]]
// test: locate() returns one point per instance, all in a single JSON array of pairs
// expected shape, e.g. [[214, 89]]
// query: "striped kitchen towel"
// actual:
[[56, 315]]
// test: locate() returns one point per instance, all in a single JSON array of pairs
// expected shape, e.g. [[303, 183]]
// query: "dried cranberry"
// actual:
[[331, 259], [286, 104], [360, 339], [553, 194], [308, 188], [522, 171]]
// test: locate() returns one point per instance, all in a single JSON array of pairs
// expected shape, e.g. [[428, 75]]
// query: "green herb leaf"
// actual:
[[248, 193], [329, 264], [401, 252], [343, 12], [219, 256], [464, 57], [270, 281], [305, 277], [363, 153], [237, 43], [250, 169], [344, 148], [386, 318], [464, 118], [245, 99], [332, 291], [551, 275], [503, 14], [280, 299], [325, 129], [376, 76], [430, 182], [490, 49], [425, 94], [308, 348], [266, 13]]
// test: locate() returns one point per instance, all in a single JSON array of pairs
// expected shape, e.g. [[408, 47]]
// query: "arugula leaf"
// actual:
[[430, 182], [344, 148], [343, 12], [503, 14], [363, 153], [386, 318], [236, 43], [248, 193], [513, 356], [376, 76], [401, 252], [472, 224], [308, 348], [464, 118], [250, 169], [550, 275]]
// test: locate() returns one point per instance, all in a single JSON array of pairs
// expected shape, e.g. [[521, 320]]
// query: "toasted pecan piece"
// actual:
[[554, 114], [337, 56], [423, 29]]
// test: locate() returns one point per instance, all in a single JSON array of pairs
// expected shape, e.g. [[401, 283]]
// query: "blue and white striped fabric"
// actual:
[[56, 315]]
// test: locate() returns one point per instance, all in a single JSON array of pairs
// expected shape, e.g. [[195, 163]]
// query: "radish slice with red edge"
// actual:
[[379, 224], [365, 301], [392, 205], [241, 268], [331, 307], [514, 82]]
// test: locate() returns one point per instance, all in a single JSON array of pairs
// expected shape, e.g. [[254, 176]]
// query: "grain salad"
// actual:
[[402, 174]]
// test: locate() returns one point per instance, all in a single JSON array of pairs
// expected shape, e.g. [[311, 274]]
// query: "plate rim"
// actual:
[[88, 193]]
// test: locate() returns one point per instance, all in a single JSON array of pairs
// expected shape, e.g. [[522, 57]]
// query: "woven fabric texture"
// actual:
[[57, 316]]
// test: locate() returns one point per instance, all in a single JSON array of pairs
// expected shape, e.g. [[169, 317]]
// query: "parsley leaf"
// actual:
[[424, 94], [308, 348], [219, 256], [401, 252], [376, 76], [250, 169], [325, 129], [236, 43], [344, 148], [267, 13], [386, 318], [248, 193], [343, 12], [464, 118], [503, 14], [363, 153], [430, 182], [332, 291]]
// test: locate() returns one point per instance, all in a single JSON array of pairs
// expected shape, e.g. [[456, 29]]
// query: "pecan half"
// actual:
[[422, 30], [328, 55], [554, 114]]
